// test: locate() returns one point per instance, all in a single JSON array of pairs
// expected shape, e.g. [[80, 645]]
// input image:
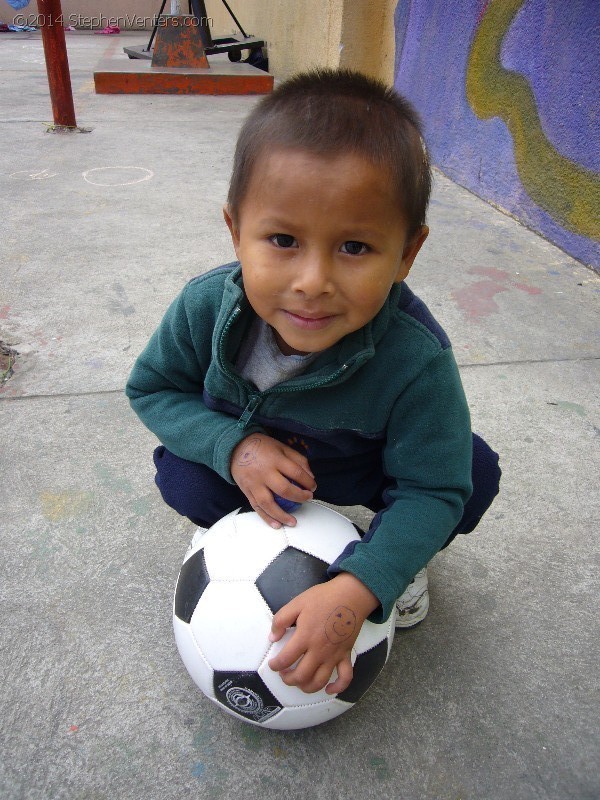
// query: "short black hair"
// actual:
[[330, 112]]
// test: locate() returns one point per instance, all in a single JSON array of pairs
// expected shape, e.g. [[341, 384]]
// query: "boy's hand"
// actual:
[[328, 618], [261, 466]]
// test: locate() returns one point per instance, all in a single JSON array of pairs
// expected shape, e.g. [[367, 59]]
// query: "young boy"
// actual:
[[310, 370]]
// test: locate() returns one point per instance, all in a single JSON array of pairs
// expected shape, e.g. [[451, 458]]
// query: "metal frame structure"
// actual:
[[231, 45]]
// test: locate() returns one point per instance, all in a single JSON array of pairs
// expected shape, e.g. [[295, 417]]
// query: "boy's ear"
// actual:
[[233, 228], [411, 250]]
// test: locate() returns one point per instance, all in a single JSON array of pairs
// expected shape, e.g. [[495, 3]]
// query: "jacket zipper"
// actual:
[[256, 398], [247, 413]]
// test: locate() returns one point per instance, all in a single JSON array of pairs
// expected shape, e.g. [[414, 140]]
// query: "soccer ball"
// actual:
[[233, 579]]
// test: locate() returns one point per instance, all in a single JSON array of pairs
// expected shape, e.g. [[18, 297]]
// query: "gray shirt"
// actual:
[[261, 361]]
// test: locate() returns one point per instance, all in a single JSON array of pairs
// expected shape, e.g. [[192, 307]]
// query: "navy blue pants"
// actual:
[[198, 492]]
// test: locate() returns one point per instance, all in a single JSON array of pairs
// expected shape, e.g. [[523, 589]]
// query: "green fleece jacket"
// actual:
[[384, 403]]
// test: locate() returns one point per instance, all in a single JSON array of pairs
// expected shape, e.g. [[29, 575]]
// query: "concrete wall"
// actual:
[[509, 93], [314, 33]]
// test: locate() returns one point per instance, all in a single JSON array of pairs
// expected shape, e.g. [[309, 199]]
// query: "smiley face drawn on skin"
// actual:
[[340, 625], [248, 456]]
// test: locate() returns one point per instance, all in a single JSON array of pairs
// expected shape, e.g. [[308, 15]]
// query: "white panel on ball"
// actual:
[[291, 719], [242, 551], [310, 535], [200, 671], [213, 532], [371, 634], [231, 625]]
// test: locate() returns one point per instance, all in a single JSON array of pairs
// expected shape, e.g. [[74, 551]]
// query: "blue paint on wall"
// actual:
[[555, 46], [557, 51]]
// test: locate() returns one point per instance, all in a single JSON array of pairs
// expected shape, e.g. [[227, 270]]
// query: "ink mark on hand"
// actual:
[[340, 625], [248, 454]]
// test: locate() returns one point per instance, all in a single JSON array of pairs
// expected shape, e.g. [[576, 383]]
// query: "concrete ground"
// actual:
[[493, 697]]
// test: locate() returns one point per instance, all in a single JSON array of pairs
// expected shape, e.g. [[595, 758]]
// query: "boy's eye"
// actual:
[[354, 248], [283, 240]]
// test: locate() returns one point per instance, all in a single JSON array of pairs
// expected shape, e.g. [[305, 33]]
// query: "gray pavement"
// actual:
[[493, 697]]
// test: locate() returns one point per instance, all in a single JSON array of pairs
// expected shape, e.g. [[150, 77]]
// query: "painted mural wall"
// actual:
[[509, 94]]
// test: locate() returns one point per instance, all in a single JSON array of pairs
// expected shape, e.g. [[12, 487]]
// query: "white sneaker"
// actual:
[[413, 605]]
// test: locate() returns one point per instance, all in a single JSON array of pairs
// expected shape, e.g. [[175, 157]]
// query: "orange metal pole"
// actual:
[[57, 63]]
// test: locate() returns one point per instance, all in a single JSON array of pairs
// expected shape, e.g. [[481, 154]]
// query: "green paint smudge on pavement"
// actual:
[[379, 764], [252, 738], [566, 406], [111, 481], [141, 506]]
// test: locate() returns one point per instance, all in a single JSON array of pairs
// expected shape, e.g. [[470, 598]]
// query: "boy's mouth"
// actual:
[[309, 321]]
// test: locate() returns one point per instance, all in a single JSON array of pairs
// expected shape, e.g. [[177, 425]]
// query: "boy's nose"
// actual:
[[313, 277]]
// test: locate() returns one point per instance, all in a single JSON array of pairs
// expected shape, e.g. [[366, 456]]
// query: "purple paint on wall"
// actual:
[[557, 49], [555, 46]]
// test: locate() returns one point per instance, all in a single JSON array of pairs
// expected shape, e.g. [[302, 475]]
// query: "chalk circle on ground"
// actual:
[[117, 176]]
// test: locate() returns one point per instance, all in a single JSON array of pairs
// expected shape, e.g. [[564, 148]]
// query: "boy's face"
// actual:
[[321, 243]]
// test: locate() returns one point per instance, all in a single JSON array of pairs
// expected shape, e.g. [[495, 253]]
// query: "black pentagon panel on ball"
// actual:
[[366, 668], [193, 580], [245, 694], [288, 575]]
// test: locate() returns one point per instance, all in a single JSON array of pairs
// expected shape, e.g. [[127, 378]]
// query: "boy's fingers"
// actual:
[[291, 491], [299, 470], [277, 631], [289, 656], [286, 664], [302, 476], [267, 509], [274, 514], [285, 618], [296, 456], [271, 522], [345, 673], [308, 675]]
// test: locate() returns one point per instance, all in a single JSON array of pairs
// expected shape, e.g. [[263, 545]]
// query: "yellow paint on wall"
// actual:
[[567, 191], [62, 505]]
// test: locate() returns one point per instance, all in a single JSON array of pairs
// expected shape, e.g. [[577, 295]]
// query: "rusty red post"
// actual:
[[57, 63]]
